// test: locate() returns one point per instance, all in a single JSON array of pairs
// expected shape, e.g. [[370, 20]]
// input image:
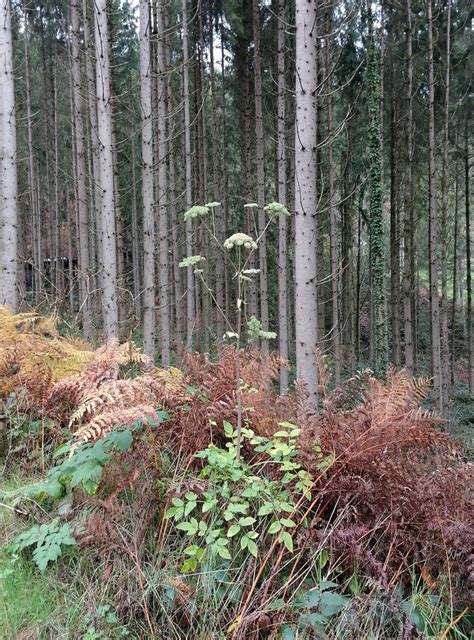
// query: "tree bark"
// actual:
[[470, 331], [394, 239], [332, 214], [377, 246], [147, 183], [80, 150], [282, 222], [445, 360], [260, 157], [433, 231], [8, 168], [408, 262], [305, 197], [190, 308], [162, 158], [106, 173]]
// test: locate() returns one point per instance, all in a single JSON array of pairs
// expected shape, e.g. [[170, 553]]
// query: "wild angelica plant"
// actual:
[[238, 248]]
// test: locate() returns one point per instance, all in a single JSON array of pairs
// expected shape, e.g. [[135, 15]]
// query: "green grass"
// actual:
[[27, 599]]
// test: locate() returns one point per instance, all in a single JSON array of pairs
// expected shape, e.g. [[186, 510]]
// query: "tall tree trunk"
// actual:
[[217, 193], [106, 169], [163, 192], [470, 331], [377, 246], [260, 156], [332, 214], [250, 227], [394, 240], [8, 169], [349, 329], [455, 273], [136, 271], [445, 361], [190, 308], [408, 275], [32, 177], [80, 150], [433, 231], [201, 105], [95, 195], [147, 183], [225, 175], [57, 216], [282, 222], [305, 197]]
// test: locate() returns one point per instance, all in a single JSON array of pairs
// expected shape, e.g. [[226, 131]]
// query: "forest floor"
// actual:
[[351, 524]]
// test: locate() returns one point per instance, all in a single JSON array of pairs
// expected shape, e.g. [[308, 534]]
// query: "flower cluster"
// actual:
[[211, 205], [198, 211], [255, 331], [250, 272], [240, 240], [191, 261], [277, 209]]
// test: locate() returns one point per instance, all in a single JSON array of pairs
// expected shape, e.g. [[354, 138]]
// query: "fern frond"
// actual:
[[104, 423]]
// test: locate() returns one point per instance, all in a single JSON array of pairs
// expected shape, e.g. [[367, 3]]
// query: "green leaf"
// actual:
[[288, 425], [288, 522], [251, 492], [238, 507], [62, 450], [189, 564], [224, 553], [222, 542], [122, 440], [327, 584], [252, 547], [281, 434], [332, 603], [170, 513], [52, 488], [315, 620], [190, 506], [177, 502], [286, 539], [266, 509], [90, 486], [311, 598], [191, 550], [247, 522], [90, 470], [288, 632], [274, 527], [233, 530], [208, 505], [279, 603], [323, 558], [228, 429]]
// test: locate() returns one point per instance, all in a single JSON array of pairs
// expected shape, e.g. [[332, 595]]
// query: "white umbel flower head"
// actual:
[[277, 209], [251, 205], [240, 240], [211, 205], [250, 272], [191, 261], [198, 211]]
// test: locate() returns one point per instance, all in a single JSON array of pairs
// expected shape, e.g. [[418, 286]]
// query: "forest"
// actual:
[[236, 334]]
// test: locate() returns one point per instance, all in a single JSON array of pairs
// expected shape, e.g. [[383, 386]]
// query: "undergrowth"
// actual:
[[354, 522]]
